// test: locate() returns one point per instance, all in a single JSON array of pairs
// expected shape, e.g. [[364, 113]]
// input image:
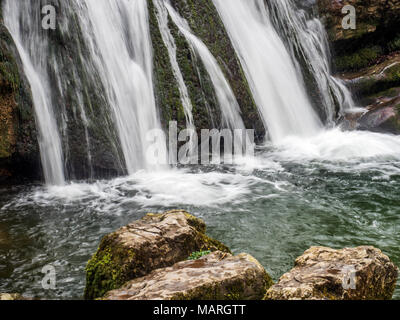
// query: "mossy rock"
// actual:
[[217, 276], [156, 241]]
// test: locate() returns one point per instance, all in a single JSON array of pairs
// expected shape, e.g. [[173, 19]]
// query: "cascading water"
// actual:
[[118, 35], [169, 41], [229, 107], [311, 186], [307, 41], [25, 29], [113, 73], [274, 81]]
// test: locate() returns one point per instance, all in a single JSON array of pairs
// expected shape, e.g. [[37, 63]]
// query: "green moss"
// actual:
[[358, 60], [106, 270]]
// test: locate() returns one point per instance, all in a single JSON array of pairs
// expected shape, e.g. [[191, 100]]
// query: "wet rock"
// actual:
[[361, 273], [19, 155], [383, 117], [376, 31], [217, 276], [156, 241]]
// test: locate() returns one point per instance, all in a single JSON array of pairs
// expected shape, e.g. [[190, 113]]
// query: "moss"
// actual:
[[373, 86], [358, 60], [206, 24], [198, 254], [116, 262], [106, 270], [166, 87]]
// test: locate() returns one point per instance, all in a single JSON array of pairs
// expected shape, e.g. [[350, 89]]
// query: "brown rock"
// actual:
[[217, 276], [370, 15], [361, 273], [10, 296], [156, 241]]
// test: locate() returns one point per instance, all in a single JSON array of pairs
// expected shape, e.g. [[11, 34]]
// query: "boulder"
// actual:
[[362, 273], [133, 251], [384, 117], [217, 276], [11, 296]]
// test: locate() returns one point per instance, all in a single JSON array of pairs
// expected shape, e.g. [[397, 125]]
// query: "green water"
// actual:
[[274, 209]]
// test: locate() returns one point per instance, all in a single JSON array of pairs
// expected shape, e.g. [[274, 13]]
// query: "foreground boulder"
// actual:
[[362, 273], [156, 241], [10, 296], [217, 276]]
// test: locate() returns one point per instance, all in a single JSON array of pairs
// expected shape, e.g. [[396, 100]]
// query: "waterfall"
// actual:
[[118, 35], [307, 41], [227, 101], [274, 81], [25, 29], [169, 41], [109, 68]]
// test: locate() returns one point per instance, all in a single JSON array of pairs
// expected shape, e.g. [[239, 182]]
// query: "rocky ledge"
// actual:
[[156, 241], [217, 276], [362, 273]]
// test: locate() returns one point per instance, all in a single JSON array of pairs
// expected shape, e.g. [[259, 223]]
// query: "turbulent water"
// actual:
[[306, 186], [336, 189]]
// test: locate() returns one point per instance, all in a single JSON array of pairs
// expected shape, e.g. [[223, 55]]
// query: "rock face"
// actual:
[[217, 276], [361, 273], [378, 90], [156, 241], [206, 24], [376, 32], [19, 155]]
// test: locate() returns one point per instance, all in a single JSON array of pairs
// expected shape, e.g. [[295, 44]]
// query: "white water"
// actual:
[[117, 33], [169, 41], [308, 37], [274, 81], [227, 101], [32, 47]]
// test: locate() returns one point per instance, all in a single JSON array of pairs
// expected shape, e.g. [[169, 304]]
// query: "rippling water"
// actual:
[[336, 189]]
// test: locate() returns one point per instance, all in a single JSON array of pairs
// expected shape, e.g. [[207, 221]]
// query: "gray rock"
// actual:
[[362, 273], [217, 276]]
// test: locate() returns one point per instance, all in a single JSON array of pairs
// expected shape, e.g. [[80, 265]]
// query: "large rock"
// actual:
[[156, 241], [217, 276], [11, 297], [349, 274]]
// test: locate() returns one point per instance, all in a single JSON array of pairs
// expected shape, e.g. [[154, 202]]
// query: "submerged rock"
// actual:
[[362, 273], [217, 276], [156, 241]]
